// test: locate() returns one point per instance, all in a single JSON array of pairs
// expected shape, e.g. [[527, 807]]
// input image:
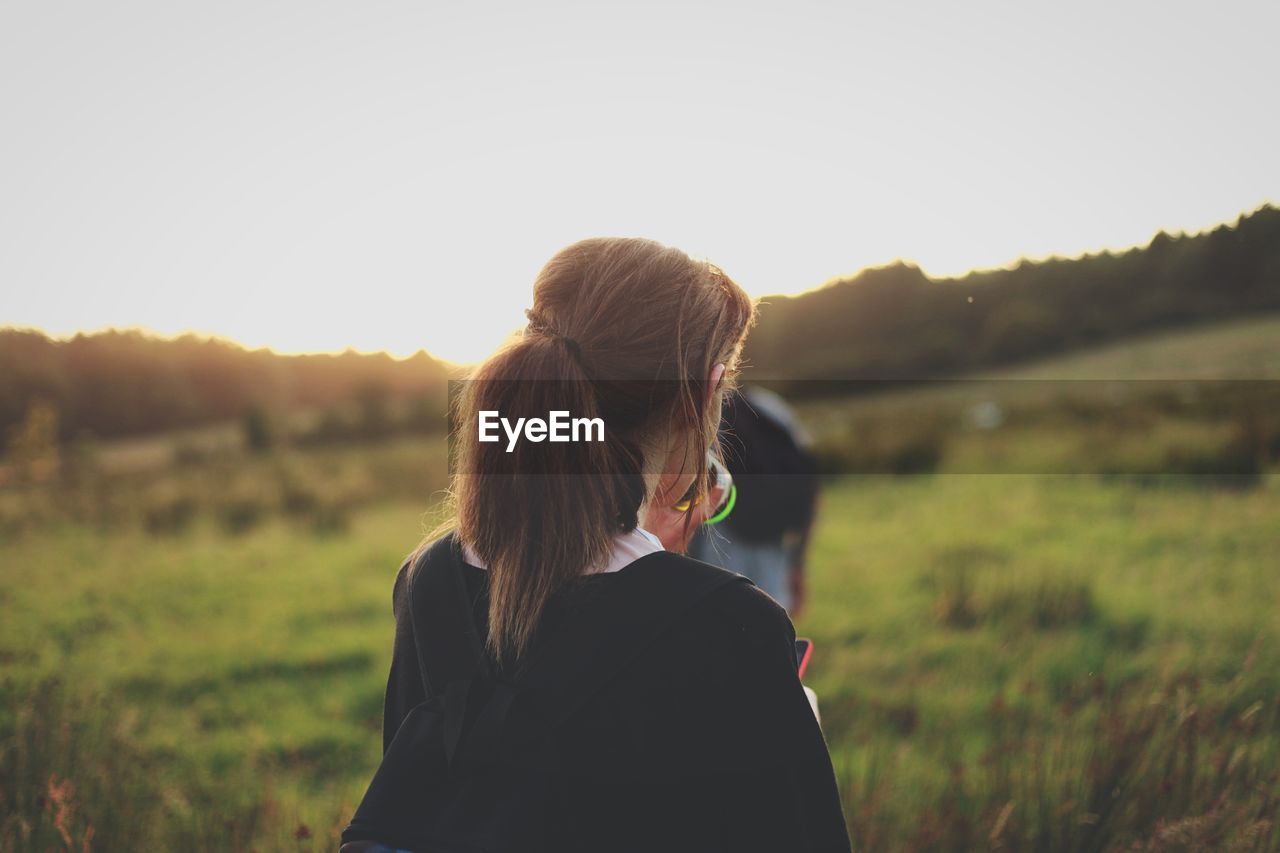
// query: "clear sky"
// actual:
[[391, 175]]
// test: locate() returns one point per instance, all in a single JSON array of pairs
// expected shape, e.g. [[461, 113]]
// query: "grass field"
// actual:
[[1046, 645], [194, 658], [974, 637]]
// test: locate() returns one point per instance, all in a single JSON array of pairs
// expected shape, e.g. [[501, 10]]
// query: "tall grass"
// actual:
[[1177, 769], [78, 776]]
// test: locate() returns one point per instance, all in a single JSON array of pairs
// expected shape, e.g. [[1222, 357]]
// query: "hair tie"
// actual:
[[575, 348], [540, 327]]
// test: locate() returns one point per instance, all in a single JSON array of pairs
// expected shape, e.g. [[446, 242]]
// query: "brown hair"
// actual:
[[623, 329]]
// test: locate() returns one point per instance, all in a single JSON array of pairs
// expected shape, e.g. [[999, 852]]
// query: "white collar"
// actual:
[[627, 548]]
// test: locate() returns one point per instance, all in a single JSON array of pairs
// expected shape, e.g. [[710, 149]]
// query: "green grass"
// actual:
[[263, 656], [980, 640], [944, 604], [1235, 349]]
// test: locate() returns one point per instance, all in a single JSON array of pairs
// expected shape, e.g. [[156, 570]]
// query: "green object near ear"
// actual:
[[727, 508]]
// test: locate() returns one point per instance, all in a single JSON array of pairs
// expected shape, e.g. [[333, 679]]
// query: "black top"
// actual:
[[776, 475], [705, 743]]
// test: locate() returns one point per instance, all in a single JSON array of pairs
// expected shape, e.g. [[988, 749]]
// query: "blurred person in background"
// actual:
[[766, 537]]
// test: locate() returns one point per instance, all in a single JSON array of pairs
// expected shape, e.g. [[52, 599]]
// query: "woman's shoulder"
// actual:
[[715, 678], [446, 546], [411, 568], [736, 612], [742, 600]]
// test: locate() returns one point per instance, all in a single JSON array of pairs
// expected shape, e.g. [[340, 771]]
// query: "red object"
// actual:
[[804, 649]]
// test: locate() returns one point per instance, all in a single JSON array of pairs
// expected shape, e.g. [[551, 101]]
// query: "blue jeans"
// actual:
[[768, 564]]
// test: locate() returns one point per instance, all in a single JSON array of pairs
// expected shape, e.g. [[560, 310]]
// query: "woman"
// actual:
[[702, 738]]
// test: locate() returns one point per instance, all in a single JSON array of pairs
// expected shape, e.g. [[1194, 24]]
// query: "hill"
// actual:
[[895, 322]]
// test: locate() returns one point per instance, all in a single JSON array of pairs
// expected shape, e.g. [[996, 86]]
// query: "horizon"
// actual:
[[831, 281]]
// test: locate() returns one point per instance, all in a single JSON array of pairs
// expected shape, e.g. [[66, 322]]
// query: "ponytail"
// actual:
[[538, 514]]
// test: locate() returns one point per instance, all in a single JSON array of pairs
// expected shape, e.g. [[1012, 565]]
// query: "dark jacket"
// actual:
[[766, 452], [705, 743]]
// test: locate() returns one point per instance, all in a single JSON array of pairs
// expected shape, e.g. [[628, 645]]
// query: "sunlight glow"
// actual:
[[313, 180]]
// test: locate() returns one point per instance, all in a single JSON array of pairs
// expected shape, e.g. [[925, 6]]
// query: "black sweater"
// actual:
[[705, 743]]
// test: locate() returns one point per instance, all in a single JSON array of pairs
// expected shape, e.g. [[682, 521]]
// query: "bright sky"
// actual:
[[391, 175]]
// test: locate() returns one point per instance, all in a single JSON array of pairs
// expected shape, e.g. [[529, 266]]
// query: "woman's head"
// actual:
[[622, 329]]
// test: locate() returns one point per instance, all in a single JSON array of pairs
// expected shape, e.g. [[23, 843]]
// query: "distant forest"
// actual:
[[126, 383], [888, 323], [895, 322]]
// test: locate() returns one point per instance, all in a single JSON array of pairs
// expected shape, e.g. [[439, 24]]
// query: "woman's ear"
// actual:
[[713, 383]]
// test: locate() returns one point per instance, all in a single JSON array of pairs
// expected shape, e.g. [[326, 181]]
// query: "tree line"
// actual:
[[895, 323], [119, 383], [890, 323]]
